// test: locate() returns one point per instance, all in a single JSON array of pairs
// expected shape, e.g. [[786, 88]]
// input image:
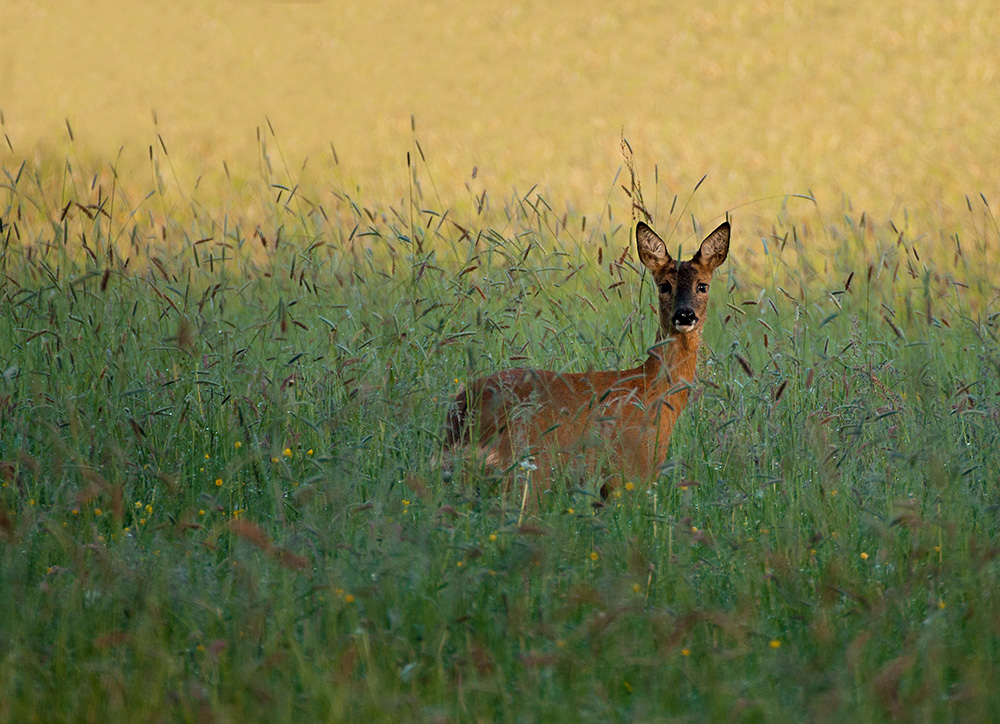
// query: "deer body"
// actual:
[[620, 421]]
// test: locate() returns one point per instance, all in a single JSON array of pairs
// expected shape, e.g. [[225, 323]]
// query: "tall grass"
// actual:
[[219, 499]]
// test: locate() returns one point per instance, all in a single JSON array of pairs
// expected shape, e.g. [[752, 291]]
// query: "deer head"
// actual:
[[683, 285]]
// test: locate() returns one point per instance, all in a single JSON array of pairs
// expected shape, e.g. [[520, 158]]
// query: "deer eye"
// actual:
[[665, 288], [702, 287]]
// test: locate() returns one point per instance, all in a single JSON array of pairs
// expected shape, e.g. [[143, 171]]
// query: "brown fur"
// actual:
[[616, 421]]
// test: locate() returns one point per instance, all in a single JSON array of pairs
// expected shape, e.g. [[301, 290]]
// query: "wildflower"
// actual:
[[76, 511], [685, 652], [864, 556], [142, 521], [630, 485], [149, 509], [287, 452], [273, 460], [594, 556], [349, 598], [218, 482], [775, 644], [560, 643], [138, 504], [528, 464], [937, 549], [98, 511], [569, 511], [201, 512], [309, 451], [238, 445], [459, 564], [207, 456], [636, 588], [628, 686], [493, 537]]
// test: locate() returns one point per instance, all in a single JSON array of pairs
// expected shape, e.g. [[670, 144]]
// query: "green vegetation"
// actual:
[[220, 502]]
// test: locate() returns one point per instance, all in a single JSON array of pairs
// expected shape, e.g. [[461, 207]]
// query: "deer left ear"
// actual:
[[714, 249]]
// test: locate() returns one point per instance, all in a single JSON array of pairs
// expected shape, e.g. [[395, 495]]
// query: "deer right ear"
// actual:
[[652, 251]]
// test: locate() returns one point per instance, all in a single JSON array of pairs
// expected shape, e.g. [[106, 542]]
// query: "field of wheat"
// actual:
[[249, 252]]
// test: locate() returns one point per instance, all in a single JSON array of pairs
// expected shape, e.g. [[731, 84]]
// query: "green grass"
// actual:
[[219, 499]]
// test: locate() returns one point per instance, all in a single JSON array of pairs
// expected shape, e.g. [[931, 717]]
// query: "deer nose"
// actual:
[[685, 318]]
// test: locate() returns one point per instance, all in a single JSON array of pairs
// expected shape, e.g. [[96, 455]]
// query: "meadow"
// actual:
[[250, 251], [220, 498]]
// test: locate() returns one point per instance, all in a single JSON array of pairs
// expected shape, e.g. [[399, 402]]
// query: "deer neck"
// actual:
[[671, 363]]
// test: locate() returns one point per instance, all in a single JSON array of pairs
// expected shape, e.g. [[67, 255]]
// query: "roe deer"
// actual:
[[615, 421]]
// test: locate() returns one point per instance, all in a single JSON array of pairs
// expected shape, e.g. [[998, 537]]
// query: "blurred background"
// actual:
[[885, 107]]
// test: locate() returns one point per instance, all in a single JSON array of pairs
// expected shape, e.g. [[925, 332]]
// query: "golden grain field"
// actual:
[[893, 105]]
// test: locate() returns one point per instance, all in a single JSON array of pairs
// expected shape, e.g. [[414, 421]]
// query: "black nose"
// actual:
[[685, 318]]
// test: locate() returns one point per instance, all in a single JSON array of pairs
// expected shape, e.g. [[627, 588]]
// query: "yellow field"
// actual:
[[893, 105]]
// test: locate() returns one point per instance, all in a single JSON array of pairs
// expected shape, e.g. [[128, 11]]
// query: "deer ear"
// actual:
[[652, 251], [714, 249]]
